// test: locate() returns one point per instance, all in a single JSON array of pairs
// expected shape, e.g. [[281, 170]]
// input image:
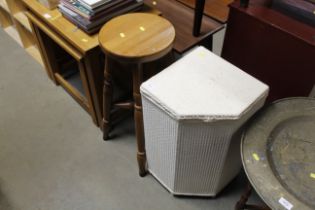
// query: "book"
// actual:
[[92, 4], [75, 6], [101, 7], [93, 26], [117, 6]]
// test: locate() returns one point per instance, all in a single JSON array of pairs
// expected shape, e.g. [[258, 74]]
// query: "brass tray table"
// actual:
[[278, 154]]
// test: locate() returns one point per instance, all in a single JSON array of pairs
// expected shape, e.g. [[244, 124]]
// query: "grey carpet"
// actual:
[[52, 157]]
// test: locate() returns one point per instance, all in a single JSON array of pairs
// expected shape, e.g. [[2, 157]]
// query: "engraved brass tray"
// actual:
[[278, 154]]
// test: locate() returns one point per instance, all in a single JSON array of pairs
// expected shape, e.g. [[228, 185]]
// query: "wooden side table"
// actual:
[[72, 57], [133, 39]]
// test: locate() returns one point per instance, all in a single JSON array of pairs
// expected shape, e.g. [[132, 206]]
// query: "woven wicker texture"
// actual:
[[188, 151]]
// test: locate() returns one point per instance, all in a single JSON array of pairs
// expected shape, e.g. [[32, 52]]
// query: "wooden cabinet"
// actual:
[[15, 23], [272, 47]]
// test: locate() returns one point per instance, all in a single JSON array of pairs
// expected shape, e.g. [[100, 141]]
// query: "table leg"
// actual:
[[242, 203], [141, 157], [244, 3], [107, 99], [208, 43], [199, 8]]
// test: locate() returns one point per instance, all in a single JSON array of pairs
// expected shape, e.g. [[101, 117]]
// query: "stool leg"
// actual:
[[141, 157], [107, 99]]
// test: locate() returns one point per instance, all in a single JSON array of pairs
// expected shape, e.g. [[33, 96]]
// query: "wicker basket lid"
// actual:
[[203, 86]]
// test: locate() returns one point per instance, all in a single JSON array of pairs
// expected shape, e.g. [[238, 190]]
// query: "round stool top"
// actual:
[[137, 37], [278, 154]]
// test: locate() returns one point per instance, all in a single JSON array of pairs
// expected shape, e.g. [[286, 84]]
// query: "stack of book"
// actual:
[[90, 15]]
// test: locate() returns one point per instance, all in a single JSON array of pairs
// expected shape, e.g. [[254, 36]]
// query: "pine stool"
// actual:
[[133, 39]]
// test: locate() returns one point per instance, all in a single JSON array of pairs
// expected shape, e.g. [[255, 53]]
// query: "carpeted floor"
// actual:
[[52, 157]]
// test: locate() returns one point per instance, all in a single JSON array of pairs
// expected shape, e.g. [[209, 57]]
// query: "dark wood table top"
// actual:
[[217, 9], [182, 17]]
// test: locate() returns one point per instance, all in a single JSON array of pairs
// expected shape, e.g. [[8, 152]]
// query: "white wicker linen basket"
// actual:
[[192, 114]]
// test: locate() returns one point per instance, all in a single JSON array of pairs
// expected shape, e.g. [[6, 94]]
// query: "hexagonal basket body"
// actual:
[[192, 122]]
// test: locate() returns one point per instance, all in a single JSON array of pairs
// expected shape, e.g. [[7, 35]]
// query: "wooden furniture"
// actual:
[[134, 39], [216, 9], [73, 59], [242, 203], [182, 17], [50, 4], [272, 47], [16, 25], [199, 8]]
